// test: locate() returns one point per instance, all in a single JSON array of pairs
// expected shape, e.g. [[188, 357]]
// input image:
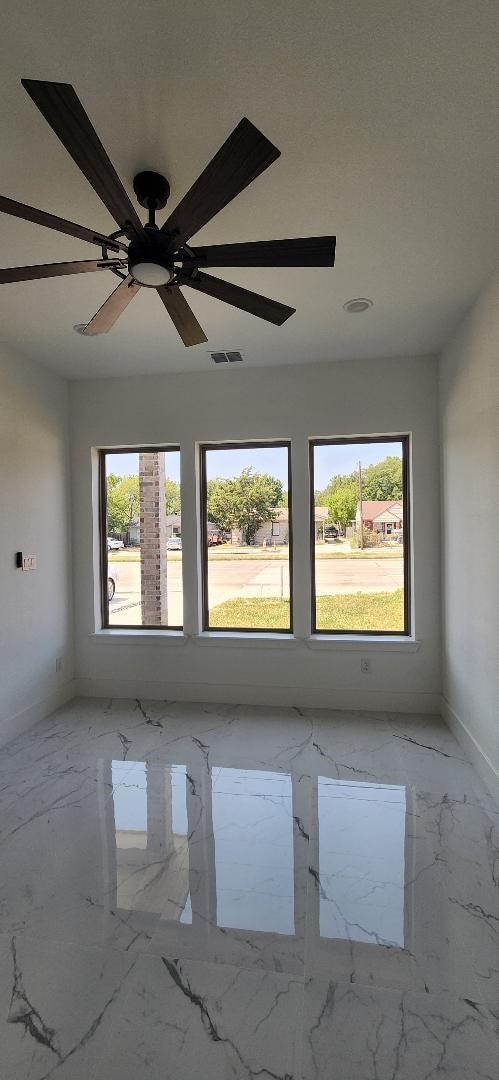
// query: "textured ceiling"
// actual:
[[386, 114]]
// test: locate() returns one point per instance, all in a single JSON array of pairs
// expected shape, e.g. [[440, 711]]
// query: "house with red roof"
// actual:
[[381, 515]]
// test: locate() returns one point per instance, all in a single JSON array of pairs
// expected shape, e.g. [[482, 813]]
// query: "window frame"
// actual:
[[103, 552], [205, 613], [404, 440]]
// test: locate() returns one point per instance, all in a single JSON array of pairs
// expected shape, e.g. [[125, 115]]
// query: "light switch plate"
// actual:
[[29, 562]]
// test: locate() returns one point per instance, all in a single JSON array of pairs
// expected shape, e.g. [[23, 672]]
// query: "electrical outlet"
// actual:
[[59, 663], [365, 666]]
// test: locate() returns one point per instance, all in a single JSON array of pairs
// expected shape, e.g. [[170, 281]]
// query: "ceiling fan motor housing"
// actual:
[[150, 260]]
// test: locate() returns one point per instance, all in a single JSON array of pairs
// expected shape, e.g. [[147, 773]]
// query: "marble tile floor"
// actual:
[[234, 892]]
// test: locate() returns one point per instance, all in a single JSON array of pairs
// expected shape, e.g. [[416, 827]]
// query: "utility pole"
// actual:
[[360, 505]]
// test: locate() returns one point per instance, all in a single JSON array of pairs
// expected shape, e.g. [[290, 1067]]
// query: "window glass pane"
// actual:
[[248, 538], [144, 538], [360, 544]]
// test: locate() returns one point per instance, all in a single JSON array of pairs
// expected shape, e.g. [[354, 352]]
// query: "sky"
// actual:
[[328, 461], [128, 464], [333, 460]]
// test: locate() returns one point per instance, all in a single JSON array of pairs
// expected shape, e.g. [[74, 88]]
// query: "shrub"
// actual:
[[371, 538]]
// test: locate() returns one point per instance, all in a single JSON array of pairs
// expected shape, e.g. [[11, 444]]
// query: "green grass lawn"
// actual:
[[228, 553], [358, 611]]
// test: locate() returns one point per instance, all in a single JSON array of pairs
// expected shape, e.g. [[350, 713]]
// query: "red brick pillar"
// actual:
[[153, 539]]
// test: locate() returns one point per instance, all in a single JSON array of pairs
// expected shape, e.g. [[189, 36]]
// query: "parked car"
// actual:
[[331, 532], [114, 545], [112, 578], [174, 543]]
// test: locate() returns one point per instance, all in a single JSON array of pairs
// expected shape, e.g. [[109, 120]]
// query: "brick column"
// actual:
[[153, 539]]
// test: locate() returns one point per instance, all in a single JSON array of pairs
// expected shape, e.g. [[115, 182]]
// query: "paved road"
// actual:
[[228, 578]]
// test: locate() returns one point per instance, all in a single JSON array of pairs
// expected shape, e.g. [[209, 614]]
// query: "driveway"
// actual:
[[229, 578]]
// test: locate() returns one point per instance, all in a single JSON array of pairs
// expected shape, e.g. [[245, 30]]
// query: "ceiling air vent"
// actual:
[[226, 357]]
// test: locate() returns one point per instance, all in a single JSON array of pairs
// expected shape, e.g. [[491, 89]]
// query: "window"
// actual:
[[360, 559], [140, 542], [246, 492]]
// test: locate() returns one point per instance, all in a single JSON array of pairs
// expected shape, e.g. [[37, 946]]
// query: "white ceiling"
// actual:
[[386, 114]]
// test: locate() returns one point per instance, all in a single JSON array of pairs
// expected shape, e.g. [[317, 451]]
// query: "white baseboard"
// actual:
[[483, 765], [304, 697], [22, 721]]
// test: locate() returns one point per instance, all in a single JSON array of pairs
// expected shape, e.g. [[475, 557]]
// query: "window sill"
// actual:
[[140, 637], [325, 642], [363, 643]]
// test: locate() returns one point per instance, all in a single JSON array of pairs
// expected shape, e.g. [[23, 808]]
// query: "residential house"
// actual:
[[381, 515], [173, 528], [276, 529]]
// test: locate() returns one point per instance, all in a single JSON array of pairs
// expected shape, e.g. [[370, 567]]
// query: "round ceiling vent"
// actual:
[[357, 306]]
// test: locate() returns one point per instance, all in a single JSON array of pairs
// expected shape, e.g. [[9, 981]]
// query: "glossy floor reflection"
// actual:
[[272, 892]]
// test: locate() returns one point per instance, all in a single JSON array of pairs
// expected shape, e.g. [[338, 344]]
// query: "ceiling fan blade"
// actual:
[[312, 251], [112, 308], [182, 315], [260, 306], [50, 270], [40, 217], [63, 110], [244, 155]]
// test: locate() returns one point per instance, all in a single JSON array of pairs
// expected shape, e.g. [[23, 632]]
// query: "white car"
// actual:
[[114, 545], [112, 578], [174, 543]]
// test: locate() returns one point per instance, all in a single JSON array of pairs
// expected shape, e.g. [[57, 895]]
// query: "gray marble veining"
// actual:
[[274, 892], [361, 1033]]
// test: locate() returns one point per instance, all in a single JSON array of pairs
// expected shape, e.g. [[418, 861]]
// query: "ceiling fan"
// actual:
[[161, 258]]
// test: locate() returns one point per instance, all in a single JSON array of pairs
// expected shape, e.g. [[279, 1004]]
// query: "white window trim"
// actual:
[[211, 638]]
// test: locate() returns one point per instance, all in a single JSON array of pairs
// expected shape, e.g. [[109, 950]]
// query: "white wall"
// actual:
[[469, 405], [232, 403], [35, 610]]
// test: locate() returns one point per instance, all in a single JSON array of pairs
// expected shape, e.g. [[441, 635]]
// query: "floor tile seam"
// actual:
[[174, 957], [153, 953], [400, 991], [29, 937], [422, 984]]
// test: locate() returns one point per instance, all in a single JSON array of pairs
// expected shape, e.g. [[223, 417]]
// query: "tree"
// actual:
[[112, 481], [384, 480], [342, 500], [245, 501], [221, 502], [122, 502], [172, 495], [380, 481], [340, 496]]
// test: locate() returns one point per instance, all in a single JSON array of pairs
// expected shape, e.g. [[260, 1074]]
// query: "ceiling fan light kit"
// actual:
[[144, 255]]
